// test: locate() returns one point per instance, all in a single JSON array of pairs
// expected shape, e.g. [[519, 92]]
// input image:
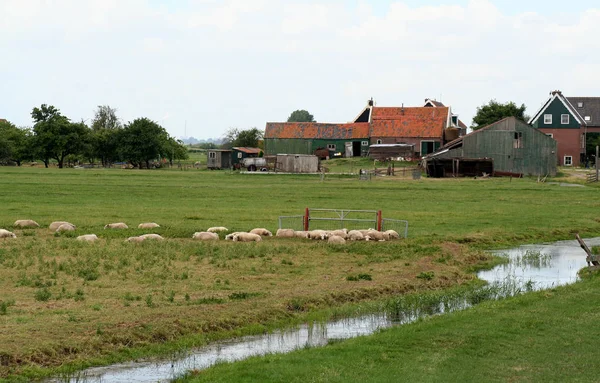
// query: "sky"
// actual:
[[201, 67]]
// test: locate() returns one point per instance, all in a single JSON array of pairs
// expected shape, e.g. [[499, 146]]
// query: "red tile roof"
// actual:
[[409, 122], [315, 130], [247, 150]]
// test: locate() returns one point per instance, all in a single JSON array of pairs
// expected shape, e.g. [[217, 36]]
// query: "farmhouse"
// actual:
[[508, 146], [425, 128], [570, 121]]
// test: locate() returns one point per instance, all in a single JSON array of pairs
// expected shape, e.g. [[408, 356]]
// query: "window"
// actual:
[[580, 104], [331, 146], [379, 142], [568, 161], [240, 155], [365, 143], [550, 135], [564, 119], [588, 118], [212, 155], [518, 143], [547, 119]]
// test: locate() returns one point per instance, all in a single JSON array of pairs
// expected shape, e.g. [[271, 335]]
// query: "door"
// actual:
[[349, 151]]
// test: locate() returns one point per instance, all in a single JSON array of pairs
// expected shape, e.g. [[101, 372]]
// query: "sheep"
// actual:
[[375, 235], [88, 237], [365, 232], [262, 232], [301, 234], [152, 236], [336, 240], [340, 233], [317, 234], [355, 235], [389, 235], [7, 234], [55, 225], [285, 233], [229, 237], [217, 229], [148, 225], [247, 237], [26, 223], [65, 227], [206, 236], [118, 225], [135, 239]]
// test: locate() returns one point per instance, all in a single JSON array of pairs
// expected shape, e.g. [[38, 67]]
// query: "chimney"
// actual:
[[554, 92], [402, 111], [370, 102]]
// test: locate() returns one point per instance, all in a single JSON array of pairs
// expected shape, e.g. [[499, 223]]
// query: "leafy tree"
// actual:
[[494, 111], [175, 150], [105, 117], [250, 137], [142, 141], [105, 125], [15, 143], [55, 136], [301, 115]]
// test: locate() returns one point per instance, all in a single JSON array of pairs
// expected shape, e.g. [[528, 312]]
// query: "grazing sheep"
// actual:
[[301, 234], [206, 236], [285, 233], [336, 240], [26, 223], [340, 233], [217, 229], [355, 235], [262, 232], [135, 239], [247, 237], [88, 237], [65, 227], [152, 236], [148, 225], [7, 234], [375, 235], [317, 234], [56, 224], [118, 225], [389, 235]]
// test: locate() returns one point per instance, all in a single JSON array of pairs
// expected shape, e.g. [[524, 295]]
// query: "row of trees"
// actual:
[[54, 136]]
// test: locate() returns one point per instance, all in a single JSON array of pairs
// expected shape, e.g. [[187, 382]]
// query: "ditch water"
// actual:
[[530, 267]]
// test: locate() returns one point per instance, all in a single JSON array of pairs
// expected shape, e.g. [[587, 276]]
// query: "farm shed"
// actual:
[[218, 159], [459, 167], [297, 163], [383, 152], [514, 147], [239, 153]]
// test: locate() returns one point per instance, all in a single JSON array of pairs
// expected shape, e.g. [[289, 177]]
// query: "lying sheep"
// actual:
[[390, 235], [152, 236], [135, 239], [375, 235], [355, 235], [7, 234], [229, 237], [56, 224], [340, 233], [118, 225], [317, 234], [26, 223], [65, 227], [247, 237], [88, 237], [301, 234], [206, 236], [148, 225], [285, 233], [262, 232], [336, 240], [216, 229]]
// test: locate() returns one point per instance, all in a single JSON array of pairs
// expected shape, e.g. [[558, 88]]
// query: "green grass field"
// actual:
[[109, 301]]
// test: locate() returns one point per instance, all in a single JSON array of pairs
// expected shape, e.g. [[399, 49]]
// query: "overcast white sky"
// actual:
[[241, 63]]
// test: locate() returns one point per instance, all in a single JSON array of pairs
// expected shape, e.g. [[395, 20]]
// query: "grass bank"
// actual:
[[547, 336]]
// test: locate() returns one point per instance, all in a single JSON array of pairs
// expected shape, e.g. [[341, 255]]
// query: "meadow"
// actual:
[[98, 303]]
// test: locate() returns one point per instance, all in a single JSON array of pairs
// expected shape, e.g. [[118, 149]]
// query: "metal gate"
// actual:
[[398, 225]]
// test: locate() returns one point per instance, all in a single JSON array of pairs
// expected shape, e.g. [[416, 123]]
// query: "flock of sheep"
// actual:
[[212, 234]]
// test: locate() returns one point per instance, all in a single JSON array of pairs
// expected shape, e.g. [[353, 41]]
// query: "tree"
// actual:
[[142, 141], [249, 137], [494, 111], [105, 117], [15, 143], [175, 150], [55, 136], [301, 115], [105, 125]]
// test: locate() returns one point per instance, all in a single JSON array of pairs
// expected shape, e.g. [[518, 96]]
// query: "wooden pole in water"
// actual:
[[590, 257]]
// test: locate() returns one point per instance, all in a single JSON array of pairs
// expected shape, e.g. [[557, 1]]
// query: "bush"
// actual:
[[42, 295]]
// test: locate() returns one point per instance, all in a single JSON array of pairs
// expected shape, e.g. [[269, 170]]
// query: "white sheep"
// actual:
[[340, 233], [375, 235], [7, 234], [206, 236], [336, 240], [285, 233], [262, 232], [217, 229], [301, 234], [135, 239], [247, 237], [389, 235], [148, 225], [317, 234], [229, 237], [117, 225], [26, 223], [65, 227], [355, 235], [56, 224], [152, 236], [88, 237]]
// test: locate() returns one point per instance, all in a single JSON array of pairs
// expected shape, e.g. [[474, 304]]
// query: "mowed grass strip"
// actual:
[[548, 336]]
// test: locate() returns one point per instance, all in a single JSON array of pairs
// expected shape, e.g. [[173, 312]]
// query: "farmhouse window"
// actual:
[[239, 155], [331, 146], [568, 160], [580, 104], [518, 143], [564, 119], [547, 118], [379, 141], [365, 143], [588, 118], [550, 135]]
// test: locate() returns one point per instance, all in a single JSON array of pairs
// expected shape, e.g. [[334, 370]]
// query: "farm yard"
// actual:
[[108, 301]]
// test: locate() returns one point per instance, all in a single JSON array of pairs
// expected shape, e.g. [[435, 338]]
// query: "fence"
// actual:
[[332, 219]]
